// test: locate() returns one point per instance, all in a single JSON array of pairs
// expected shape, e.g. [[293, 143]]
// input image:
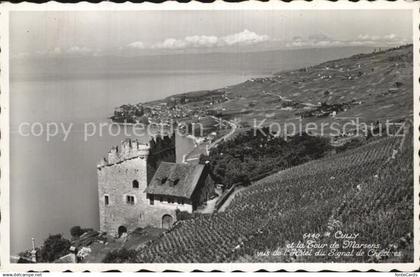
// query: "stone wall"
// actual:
[[127, 150], [155, 215]]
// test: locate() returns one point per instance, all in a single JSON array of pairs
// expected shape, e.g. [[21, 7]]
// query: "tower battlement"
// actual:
[[127, 150]]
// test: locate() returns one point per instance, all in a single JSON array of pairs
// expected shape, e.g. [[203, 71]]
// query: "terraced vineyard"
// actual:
[[367, 190]]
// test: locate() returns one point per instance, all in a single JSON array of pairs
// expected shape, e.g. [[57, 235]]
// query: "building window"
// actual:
[[106, 198], [135, 184], [164, 180], [152, 200], [130, 199]]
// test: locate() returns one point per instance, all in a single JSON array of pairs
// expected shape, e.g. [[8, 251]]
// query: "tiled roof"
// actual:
[[175, 179]]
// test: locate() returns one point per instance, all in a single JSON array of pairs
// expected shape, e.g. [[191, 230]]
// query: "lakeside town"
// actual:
[[195, 114]]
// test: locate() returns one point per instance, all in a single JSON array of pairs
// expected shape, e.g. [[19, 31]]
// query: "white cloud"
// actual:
[[319, 37], [79, 50], [245, 37], [390, 37], [188, 42], [366, 37], [314, 40], [56, 50], [171, 43], [136, 44], [321, 40], [202, 41]]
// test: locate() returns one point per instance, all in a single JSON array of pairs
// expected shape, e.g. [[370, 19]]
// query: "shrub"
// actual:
[[182, 215], [76, 231], [120, 256], [55, 246]]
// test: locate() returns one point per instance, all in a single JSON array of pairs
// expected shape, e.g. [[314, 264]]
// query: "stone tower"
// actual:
[[123, 177]]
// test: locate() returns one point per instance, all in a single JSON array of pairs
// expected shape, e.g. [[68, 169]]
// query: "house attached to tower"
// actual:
[[140, 185]]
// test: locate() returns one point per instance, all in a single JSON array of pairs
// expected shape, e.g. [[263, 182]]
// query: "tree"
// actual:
[[55, 246], [252, 155], [76, 231]]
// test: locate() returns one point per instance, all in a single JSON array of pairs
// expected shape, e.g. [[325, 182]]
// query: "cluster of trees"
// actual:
[[77, 231], [256, 153], [54, 247]]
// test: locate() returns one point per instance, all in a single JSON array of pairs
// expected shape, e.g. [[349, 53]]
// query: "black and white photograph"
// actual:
[[216, 136]]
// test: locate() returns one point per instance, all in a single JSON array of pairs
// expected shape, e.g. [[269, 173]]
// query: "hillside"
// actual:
[[366, 191], [380, 83], [371, 87]]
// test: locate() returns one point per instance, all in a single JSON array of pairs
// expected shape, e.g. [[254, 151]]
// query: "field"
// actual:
[[380, 83], [367, 190]]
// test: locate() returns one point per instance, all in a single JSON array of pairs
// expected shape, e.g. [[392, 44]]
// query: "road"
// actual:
[[230, 198], [233, 127], [204, 148]]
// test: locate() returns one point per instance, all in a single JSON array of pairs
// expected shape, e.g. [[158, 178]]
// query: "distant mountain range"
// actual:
[[91, 67]]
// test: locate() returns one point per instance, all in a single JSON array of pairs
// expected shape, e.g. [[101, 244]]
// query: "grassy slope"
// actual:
[[378, 73]]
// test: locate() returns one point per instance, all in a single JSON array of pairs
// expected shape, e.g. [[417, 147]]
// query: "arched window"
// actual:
[[135, 184]]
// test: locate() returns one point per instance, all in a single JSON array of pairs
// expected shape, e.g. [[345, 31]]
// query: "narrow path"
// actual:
[[209, 208], [230, 198]]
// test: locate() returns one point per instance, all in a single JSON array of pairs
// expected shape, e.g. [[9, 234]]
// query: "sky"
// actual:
[[95, 33]]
